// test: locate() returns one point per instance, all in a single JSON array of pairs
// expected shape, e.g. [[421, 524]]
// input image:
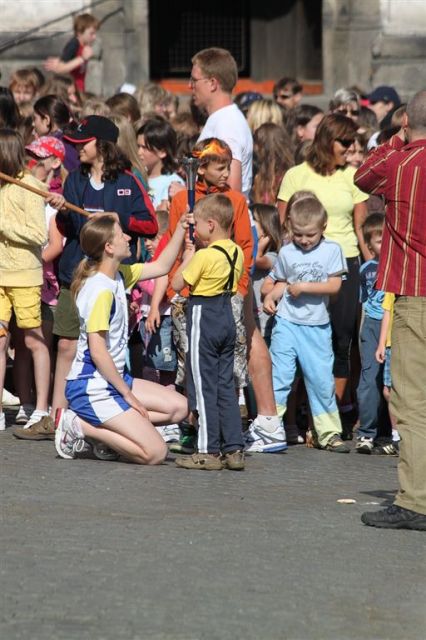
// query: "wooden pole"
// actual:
[[39, 192]]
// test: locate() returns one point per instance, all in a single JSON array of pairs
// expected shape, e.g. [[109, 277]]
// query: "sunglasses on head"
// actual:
[[345, 142], [348, 110]]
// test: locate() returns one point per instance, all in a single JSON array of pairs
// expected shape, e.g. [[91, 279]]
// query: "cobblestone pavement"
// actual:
[[107, 550]]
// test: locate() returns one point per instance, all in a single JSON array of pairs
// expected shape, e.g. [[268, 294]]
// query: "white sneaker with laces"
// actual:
[[2, 422], [258, 440], [24, 414], [8, 399], [69, 438], [364, 445], [169, 432]]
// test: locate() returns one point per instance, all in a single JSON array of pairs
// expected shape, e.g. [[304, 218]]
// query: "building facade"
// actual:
[[325, 43]]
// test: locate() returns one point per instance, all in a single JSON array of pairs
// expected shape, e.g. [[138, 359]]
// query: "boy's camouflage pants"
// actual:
[[178, 305]]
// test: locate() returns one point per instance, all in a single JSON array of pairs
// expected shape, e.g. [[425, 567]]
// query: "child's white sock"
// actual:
[[269, 423], [395, 436]]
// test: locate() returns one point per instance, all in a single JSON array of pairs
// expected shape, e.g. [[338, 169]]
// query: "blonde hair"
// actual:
[[217, 207], [95, 107], [149, 96], [93, 238], [263, 111], [127, 142], [25, 77], [85, 21], [219, 64], [304, 208]]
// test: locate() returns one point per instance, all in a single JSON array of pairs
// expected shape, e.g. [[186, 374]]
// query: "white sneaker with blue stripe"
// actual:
[[259, 440]]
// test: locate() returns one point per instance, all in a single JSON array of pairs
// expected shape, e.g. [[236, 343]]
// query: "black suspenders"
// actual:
[[232, 262]]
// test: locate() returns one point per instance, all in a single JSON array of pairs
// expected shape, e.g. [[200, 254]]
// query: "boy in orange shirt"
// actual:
[[215, 159]]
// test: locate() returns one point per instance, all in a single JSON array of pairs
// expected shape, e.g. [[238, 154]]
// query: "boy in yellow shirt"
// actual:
[[212, 273], [383, 355]]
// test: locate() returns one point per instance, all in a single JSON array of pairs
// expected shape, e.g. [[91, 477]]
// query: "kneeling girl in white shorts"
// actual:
[[106, 405]]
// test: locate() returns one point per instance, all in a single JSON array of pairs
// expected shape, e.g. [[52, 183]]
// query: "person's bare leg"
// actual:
[[4, 341], [130, 435], [66, 352], [22, 367], [341, 384], [259, 362], [34, 340], [164, 405]]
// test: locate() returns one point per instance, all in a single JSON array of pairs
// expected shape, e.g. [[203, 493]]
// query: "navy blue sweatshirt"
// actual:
[[126, 196]]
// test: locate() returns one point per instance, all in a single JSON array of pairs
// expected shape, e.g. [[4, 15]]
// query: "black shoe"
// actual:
[[389, 449], [395, 517]]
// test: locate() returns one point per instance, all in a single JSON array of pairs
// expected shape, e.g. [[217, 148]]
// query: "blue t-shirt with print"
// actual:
[[94, 197], [159, 187], [317, 265], [371, 297]]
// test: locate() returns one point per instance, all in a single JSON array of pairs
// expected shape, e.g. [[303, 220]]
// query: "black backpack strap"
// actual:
[[232, 262]]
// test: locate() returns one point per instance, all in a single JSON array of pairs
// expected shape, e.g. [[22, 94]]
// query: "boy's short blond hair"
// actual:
[[26, 77], [84, 21], [304, 208], [217, 207], [219, 64]]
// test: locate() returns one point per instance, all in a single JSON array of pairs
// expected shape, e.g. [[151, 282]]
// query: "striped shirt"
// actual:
[[398, 173]]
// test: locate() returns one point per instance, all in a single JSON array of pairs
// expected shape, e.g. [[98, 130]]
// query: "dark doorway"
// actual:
[[179, 29]]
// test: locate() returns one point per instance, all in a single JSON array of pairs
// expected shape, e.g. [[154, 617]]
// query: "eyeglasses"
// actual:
[[348, 110], [193, 81], [345, 142]]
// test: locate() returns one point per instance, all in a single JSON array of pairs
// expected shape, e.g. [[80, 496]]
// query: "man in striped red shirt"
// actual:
[[397, 171]]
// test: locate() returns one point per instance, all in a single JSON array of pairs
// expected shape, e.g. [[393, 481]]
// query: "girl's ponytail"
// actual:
[[93, 237], [85, 268]]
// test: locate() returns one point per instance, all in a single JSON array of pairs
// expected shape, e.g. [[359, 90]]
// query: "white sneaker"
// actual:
[[258, 440], [2, 422], [169, 432], [24, 414], [364, 445], [9, 400], [36, 416], [69, 439]]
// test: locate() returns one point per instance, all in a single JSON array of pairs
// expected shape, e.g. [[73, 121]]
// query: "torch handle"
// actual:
[[191, 204]]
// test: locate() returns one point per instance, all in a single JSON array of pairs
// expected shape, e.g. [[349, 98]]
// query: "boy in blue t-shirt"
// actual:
[[370, 385], [308, 270]]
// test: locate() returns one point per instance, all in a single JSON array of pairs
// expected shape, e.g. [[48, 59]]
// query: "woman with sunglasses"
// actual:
[[346, 102], [327, 174]]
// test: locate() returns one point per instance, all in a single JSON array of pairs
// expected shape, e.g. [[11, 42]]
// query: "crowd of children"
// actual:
[[135, 317]]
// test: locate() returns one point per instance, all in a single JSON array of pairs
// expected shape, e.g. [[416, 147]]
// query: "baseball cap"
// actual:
[[384, 94], [47, 146], [94, 128]]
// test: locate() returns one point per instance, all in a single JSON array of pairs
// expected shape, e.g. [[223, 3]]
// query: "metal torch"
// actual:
[[190, 164]]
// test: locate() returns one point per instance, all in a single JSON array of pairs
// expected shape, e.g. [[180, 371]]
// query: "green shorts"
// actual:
[[66, 323]]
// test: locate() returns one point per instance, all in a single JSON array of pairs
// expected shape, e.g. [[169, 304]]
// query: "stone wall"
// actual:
[[121, 48], [374, 42]]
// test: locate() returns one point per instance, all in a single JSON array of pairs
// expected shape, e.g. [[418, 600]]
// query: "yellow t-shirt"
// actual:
[[208, 271], [338, 195], [387, 305]]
